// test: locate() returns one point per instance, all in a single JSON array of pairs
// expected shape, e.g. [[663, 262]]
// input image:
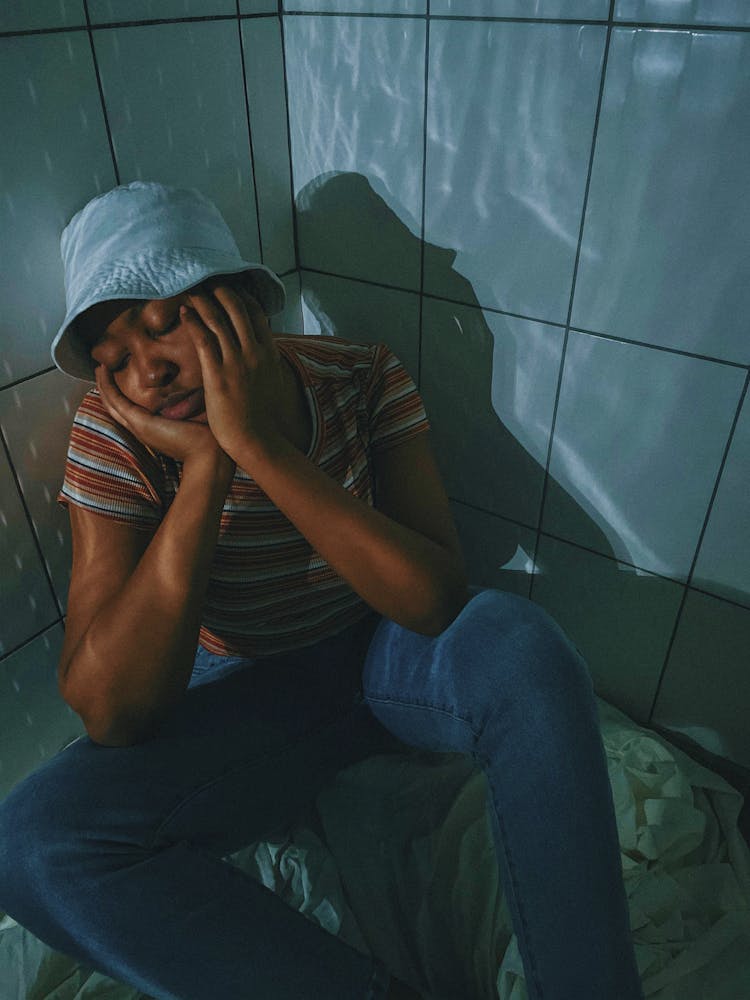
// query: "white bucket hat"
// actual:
[[145, 240]]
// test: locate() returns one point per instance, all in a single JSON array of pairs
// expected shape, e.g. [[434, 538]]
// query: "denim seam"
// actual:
[[250, 762], [414, 703], [484, 762]]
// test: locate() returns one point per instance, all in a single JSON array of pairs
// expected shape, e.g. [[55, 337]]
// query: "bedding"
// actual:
[[396, 858]]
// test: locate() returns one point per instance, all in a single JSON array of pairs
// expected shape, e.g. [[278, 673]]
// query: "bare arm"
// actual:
[[134, 609], [403, 558]]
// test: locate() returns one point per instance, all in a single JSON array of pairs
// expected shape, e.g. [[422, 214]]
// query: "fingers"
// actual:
[[115, 402], [234, 319], [225, 326]]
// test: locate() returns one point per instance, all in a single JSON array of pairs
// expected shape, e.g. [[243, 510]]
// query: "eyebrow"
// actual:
[[132, 314]]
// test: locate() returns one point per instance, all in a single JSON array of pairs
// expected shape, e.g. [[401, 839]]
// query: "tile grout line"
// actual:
[[566, 337], [696, 554], [292, 199], [101, 93], [30, 522], [27, 641], [420, 317], [145, 22], [595, 552], [249, 130], [614, 338]]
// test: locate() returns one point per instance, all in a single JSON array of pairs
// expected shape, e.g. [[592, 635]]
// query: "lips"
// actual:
[[181, 405]]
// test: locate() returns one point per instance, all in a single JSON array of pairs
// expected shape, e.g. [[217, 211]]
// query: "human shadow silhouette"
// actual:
[[620, 618]]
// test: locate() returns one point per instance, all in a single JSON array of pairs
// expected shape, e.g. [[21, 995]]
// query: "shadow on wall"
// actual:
[[489, 394]]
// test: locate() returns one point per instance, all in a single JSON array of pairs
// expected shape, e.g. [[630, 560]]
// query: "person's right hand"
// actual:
[[180, 439]]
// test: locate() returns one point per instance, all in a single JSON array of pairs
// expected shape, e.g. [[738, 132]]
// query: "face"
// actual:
[[147, 348]]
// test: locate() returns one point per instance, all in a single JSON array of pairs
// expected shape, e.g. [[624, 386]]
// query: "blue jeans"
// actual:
[[114, 854]]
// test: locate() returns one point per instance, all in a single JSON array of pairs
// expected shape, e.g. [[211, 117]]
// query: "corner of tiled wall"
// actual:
[[94, 95], [543, 213]]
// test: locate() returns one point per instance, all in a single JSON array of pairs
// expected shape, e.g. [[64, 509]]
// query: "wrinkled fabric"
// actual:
[[399, 859]]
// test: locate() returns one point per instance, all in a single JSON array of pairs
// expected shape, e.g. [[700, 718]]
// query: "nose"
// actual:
[[154, 370]]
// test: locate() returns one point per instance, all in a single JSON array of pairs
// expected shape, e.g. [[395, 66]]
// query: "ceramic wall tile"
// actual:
[[106, 11], [358, 6], [706, 686], [572, 9], [356, 101], [638, 443], [54, 158], [728, 12], [31, 15], [25, 595], [619, 618], [510, 121], [290, 320], [498, 552], [34, 720], [366, 314], [264, 76], [664, 253], [177, 113], [723, 567], [259, 6], [489, 383], [36, 417]]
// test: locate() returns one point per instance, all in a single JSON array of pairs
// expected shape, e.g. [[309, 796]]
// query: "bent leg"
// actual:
[[114, 854], [505, 685]]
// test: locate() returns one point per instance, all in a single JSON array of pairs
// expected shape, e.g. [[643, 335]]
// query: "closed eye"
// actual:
[[168, 329]]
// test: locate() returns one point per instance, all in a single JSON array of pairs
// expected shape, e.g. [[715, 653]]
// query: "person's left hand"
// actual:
[[242, 369]]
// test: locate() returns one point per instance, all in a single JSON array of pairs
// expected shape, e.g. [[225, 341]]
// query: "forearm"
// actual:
[[134, 661], [399, 572]]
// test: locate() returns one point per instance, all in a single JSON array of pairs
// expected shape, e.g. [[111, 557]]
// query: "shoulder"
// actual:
[[326, 357]]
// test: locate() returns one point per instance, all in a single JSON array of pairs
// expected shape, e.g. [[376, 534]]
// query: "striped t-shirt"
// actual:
[[269, 591]]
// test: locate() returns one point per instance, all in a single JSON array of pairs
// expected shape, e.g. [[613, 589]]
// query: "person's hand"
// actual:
[[180, 439], [243, 381]]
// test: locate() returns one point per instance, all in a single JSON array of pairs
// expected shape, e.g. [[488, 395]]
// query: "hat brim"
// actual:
[[159, 274]]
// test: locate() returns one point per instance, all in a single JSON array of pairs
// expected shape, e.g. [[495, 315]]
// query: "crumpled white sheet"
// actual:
[[406, 869]]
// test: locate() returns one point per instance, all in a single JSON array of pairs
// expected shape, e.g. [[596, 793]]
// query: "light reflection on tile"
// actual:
[[638, 442], [358, 6], [37, 416], [356, 100], [195, 70], [290, 320], [34, 720], [55, 157], [25, 595], [665, 254], [510, 121], [621, 620], [498, 553], [104, 11], [522, 8], [30, 15], [706, 685], [729, 12]]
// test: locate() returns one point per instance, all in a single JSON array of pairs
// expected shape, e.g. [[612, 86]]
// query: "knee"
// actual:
[[38, 842], [23, 842], [502, 635]]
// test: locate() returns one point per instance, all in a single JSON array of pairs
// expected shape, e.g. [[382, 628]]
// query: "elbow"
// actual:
[[106, 726]]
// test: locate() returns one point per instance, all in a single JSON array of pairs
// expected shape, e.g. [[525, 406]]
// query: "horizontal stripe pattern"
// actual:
[[269, 590]]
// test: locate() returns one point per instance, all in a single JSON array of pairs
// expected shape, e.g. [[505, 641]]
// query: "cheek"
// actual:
[[127, 385]]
